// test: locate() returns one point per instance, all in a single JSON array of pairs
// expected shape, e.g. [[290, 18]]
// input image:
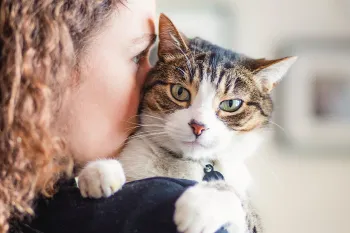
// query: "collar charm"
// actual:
[[210, 174]]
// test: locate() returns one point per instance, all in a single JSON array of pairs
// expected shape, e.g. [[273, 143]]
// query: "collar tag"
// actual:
[[210, 174]]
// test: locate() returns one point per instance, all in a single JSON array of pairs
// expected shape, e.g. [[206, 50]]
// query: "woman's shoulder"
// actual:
[[144, 206]]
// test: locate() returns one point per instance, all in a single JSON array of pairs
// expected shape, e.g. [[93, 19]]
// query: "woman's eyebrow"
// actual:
[[145, 38]]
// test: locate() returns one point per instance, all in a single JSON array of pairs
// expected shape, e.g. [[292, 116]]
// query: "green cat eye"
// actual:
[[231, 105], [180, 93]]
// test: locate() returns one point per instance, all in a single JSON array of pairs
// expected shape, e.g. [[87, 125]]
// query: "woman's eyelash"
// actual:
[[140, 56]]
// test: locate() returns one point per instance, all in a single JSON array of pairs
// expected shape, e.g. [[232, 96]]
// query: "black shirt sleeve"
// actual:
[[145, 206]]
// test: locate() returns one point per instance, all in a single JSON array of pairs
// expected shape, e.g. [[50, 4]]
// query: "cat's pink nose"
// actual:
[[197, 127]]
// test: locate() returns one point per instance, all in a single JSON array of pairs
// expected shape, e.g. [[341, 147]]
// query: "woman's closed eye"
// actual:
[[139, 57], [143, 43]]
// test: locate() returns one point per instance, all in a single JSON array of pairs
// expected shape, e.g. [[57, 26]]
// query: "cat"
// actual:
[[203, 112]]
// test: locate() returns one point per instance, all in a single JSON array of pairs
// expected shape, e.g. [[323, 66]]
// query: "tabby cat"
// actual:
[[203, 112]]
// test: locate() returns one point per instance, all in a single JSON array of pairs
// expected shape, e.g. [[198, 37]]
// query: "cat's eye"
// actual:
[[231, 105], [180, 93]]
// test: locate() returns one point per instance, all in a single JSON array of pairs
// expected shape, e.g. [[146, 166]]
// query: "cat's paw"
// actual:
[[203, 209], [101, 178]]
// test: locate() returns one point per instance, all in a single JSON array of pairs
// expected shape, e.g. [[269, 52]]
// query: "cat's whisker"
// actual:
[[266, 164], [147, 135], [174, 130], [182, 71], [127, 140], [144, 115], [148, 125], [133, 123], [154, 117], [129, 120], [144, 134], [145, 125], [122, 144], [130, 123], [174, 135], [138, 126], [188, 62], [150, 131], [278, 126], [193, 56], [149, 116], [234, 84], [168, 126], [129, 130]]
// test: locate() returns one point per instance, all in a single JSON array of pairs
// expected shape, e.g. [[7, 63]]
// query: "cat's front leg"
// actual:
[[207, 206], [101, 178]]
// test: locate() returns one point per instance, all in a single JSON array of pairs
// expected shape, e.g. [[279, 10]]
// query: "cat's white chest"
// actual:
[[141, 160], [235, 174]]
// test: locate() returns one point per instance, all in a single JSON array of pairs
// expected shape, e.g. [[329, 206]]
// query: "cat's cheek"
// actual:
[[179, 121], [217, 137]]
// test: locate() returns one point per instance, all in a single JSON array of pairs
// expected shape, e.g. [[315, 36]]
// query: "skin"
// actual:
[[97, 114]]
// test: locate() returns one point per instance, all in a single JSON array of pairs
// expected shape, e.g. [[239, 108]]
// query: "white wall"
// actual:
[[301, 193], [263, 24], [296, 193]]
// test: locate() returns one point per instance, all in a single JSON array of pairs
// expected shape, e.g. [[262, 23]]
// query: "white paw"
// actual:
[[202, 209], [101, 178]]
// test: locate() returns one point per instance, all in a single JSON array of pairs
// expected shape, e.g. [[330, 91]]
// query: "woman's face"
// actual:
[[96, 116]]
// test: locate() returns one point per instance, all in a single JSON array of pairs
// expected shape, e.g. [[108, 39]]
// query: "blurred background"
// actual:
[[302, 172]]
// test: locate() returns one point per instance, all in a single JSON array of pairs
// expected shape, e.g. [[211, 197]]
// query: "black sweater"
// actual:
[[144, 206]]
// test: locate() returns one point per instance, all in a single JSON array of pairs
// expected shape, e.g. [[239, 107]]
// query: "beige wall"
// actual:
[[296, 193], [302, 193], [262, 24]]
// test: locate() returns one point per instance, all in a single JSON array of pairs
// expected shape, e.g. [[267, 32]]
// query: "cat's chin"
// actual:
[[196, 150]]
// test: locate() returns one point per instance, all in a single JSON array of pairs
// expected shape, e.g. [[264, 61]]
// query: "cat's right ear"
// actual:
[[269, 72], [171, 42]]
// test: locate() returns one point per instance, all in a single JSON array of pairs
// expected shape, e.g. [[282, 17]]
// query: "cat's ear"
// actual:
[[171, 41], [269, 72]]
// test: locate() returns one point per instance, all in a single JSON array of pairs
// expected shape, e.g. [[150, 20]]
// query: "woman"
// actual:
[[70, 76]]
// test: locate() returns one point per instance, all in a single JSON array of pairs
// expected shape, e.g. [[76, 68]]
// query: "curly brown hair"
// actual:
[[39, 43]]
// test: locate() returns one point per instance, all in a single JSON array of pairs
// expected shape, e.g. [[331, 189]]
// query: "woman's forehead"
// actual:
[[132, 23], [131, 27], [137, 17]]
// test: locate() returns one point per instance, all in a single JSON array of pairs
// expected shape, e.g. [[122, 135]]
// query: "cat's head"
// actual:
[[200, 98]]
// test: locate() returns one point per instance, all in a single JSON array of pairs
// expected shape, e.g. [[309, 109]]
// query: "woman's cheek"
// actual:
[[127, 104], [142, 72], [133, 103], [130, 86]]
